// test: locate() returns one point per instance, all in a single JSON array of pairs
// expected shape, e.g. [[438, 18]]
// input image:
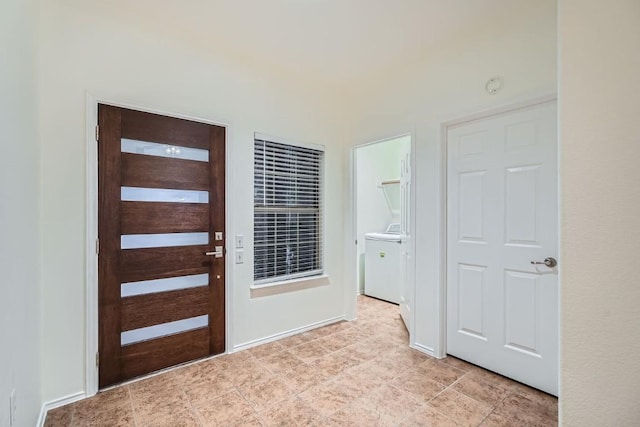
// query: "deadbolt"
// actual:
[[549, 262]]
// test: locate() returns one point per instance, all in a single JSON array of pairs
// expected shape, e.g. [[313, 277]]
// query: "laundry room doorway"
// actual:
[[382, 213]]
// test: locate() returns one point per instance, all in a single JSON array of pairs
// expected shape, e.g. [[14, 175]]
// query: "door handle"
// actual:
[[218, 252], [549, 262]]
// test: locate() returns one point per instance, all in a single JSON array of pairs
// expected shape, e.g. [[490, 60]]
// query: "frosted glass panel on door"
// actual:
[[156, 331], [137, 241], [139, 194], [163, 150], [163, 285]]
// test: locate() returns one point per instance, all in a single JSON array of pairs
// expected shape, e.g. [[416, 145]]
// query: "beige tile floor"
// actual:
[[358, 373]]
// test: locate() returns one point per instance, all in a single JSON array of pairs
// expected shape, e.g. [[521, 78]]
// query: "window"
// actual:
[[288, 204]]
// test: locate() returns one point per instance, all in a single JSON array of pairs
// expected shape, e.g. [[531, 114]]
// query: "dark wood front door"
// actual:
[[161, 218]]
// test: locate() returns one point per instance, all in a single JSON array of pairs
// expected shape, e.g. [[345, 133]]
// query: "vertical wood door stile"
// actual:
[[217, 161], [109, 232]]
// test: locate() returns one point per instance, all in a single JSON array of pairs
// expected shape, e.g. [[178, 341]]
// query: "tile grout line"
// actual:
[[493, 407], [496, 406], [73, 415], [439, 393], [255, 412], [194, 411], [133, 410]]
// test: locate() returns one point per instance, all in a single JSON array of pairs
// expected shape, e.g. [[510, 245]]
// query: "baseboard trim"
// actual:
[[56, 403], [424, 349], [275, 337]]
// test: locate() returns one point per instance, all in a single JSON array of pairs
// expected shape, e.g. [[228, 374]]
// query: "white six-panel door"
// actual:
[[502, 214]]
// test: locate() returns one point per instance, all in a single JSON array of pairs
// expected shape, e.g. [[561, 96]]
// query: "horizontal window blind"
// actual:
[[288, 204]]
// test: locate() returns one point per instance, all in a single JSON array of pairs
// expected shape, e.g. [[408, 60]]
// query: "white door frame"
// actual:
[[440, 345], [352, 248], [91, 260]]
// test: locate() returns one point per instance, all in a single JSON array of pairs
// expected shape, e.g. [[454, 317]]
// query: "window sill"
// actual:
[[289, 286]]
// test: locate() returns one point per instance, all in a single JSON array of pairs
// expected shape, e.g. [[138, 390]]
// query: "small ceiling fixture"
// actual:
[[493, 85]]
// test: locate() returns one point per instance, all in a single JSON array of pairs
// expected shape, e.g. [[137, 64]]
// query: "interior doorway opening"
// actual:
[[382, 204]]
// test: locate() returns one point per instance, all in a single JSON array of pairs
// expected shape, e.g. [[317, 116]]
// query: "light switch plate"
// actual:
[[239, 241], [239, 257]]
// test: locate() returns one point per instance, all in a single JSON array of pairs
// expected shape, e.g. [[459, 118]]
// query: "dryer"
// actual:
[[382, 265]]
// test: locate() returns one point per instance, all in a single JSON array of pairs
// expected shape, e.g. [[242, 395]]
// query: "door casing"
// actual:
[[440, 317], [91, 261]]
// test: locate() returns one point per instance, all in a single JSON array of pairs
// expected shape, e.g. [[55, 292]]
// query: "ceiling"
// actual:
[[336, 41]]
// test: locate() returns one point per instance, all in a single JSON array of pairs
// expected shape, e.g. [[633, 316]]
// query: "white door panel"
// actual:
[[407, 274], [502, 311]]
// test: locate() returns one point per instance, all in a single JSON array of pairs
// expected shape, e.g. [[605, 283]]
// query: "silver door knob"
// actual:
[[549, 262]]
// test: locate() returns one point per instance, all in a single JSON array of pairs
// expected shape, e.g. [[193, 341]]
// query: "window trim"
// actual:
[[290, 285], [307, 279], [279, 140]]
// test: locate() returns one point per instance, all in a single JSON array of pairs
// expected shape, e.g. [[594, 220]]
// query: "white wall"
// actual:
[[444, 85], [84, 48], [19, 190], [600, 207], [375, 163], [110, 58]]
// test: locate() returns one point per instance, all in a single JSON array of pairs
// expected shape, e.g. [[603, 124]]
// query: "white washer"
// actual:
[[382, 266]]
